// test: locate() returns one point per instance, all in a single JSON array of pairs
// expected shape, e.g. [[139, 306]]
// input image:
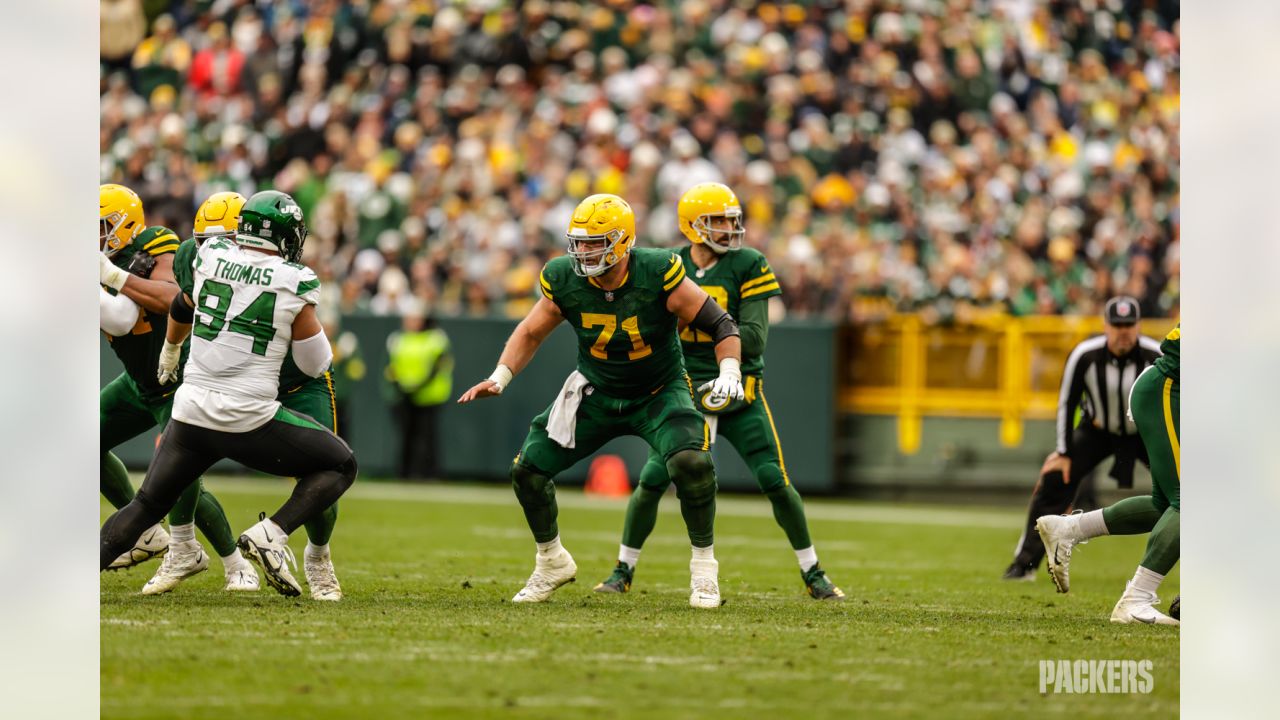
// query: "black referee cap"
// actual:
[[1122, 310]]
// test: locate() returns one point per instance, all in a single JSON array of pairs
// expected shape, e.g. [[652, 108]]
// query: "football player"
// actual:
[[137, 285], [624, 305], [1153, 401], [252, 303], [219, 216], [740, 280]]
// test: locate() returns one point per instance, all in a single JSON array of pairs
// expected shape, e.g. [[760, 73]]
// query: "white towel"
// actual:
[[712, 421], [563, 422]]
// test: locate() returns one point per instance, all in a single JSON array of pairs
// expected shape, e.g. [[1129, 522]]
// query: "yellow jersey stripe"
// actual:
[[676, 266], [757, 281], [1170, 428], [546, 286], [786, 479], [162, 249], [162, 238], [761, 290], [674, 281]]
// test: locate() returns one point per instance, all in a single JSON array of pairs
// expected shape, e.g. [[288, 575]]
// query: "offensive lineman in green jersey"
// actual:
[[1153, 403], [625, 306], [740, 280], [219, 216], [136, 275]]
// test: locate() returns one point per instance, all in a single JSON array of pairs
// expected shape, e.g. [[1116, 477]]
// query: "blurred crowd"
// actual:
[[944, 156]]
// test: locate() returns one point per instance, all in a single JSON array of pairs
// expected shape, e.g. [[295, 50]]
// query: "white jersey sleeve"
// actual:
[[245, 305]]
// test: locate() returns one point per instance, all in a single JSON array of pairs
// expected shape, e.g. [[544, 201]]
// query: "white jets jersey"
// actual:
[[245, 305]]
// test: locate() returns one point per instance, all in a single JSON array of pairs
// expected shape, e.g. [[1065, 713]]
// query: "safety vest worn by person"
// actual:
[[414, 357]]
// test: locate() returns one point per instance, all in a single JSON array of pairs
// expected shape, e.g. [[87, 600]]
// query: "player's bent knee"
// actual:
[[770, 479], [693, 473], [531, 486], [348, 469]]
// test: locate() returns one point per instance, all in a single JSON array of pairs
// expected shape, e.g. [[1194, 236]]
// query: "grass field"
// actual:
[[427, 629]]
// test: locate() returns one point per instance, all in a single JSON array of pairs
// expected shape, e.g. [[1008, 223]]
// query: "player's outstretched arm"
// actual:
[[695, 308], [520, 348], [154, 294]]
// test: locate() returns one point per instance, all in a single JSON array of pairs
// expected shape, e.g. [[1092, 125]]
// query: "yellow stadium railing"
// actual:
[[999, 366]]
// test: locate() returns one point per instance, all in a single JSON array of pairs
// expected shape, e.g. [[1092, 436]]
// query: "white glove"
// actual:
[[110, 275], [170, 354], [729, 384]]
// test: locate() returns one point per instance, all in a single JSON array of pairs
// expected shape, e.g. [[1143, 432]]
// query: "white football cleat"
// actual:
[[242, 579], [153, 542], [321, 578], [1059, 535], [269, 548], [183, 560], [549, 573], [1137, 606], [704, 583]]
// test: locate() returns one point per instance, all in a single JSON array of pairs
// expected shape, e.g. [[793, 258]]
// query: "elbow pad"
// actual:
[[714, 321], [180, 310], [313, 354]]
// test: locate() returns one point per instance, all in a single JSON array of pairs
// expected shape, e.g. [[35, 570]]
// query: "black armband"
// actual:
[[180, 310], [714, 321]]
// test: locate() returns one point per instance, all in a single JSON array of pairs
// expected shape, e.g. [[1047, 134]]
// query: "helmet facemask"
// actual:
[[109, 241], [594, 261], [734, 233]]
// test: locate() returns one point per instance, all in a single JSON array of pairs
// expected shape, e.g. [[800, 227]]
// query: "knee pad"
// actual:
[[694, 474], [770, 478], [531, 486]]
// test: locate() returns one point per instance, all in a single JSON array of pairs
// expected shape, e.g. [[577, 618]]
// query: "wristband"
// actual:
[[110, 275], [501, 376], [731, 367]]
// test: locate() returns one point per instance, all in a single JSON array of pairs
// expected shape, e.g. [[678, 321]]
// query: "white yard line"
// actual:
[[746, 506]]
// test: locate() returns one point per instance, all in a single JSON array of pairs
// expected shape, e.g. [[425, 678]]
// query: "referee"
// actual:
[[1096, 380]]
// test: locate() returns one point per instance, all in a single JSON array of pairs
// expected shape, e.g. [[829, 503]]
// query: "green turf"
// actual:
[[427, 629]]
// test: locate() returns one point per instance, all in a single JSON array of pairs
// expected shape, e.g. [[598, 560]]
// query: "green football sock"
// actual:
[[1131, 516], [114, 481], [642, 515], [184, 511], [537, 495], [1164, 545], [212, 521], [320, 528], [788, 510]]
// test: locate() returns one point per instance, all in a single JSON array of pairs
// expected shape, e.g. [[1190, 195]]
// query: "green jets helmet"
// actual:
[[272, 220]]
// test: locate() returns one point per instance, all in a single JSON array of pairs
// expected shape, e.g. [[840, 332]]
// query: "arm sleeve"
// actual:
[[117, 314], [753, 325], [313, 355], [1069, 397]]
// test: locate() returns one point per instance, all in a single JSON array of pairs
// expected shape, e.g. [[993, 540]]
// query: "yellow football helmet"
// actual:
[[219, 215], [709, 200], [120, 218], [608, 225]]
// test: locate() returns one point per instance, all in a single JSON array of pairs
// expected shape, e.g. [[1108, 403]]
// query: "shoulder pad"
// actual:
[[158, 240]]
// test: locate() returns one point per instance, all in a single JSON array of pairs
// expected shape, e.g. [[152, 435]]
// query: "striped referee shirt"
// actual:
[[1098, 383]]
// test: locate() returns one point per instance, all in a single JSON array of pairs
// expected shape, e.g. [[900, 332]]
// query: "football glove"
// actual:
[[729, 384], [170, 354], [141, 264]]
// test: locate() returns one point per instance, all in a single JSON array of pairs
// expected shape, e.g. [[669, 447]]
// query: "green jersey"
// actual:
[[291, 377], [1167, 363], [628, 344], [737, 277], [139, 350]]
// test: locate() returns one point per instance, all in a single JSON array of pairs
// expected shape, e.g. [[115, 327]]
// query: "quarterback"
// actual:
[[625, 305], [740, 280]]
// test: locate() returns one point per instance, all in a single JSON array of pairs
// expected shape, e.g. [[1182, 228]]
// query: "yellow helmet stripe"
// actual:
[[676, 266], [761, 290], [762, 280]]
